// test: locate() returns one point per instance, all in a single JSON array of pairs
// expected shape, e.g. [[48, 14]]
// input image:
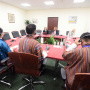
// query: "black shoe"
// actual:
[[63, 87]]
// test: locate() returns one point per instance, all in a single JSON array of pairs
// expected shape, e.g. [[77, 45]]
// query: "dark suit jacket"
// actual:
[[44, 31], [57, 32]]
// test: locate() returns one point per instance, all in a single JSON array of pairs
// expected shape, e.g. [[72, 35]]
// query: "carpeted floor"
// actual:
[[47, 76]]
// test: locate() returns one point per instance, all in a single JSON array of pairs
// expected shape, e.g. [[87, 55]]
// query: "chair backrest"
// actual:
[[6, 36], [67, 32], [48, 31], [22, 32], [81, 82], [15, 34], [38, 31], [25, 63], [57, 32]]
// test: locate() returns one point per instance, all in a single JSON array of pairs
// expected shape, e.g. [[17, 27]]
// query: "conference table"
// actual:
[[48, 35], [55, 51]]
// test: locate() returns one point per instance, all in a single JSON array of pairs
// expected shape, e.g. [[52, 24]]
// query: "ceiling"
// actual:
[[39, 4]]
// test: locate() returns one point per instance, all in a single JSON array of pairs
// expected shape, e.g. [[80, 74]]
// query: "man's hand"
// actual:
[[77, 42], [45, 53]]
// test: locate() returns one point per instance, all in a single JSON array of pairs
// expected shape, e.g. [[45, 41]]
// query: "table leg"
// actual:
[[56, 67]]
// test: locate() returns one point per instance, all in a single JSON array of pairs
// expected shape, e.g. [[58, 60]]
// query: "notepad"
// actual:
[[44, 54], [56, 46], [16, 46]]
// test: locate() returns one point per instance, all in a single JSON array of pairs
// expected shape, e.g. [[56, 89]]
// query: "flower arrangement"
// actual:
[[50, 40]]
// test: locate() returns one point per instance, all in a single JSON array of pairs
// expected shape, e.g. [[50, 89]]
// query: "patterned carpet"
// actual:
[[48, 75]]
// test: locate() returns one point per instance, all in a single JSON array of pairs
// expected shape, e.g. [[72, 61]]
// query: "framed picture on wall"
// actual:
[[34, 20], [11, 18], [72, 19]]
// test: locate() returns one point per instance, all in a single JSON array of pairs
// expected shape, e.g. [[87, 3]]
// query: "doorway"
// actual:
[[52, 22]]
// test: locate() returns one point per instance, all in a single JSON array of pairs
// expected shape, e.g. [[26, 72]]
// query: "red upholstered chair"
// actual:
[[81, 82], [26, 63]]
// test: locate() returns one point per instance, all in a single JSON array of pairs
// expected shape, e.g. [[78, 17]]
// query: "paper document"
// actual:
[[56, 46], [44, 54], [16, 46]]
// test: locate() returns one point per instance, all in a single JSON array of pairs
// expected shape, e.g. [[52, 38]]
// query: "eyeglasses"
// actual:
[[80, 40]]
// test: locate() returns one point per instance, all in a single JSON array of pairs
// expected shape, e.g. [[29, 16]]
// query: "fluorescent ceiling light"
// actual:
[[25, 4], [78, 1], [49, 3]]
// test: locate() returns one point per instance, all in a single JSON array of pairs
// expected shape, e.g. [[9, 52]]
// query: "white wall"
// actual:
[[20, 16], [83, 19], [82, 25]]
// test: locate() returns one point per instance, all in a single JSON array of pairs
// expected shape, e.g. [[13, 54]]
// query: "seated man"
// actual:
[[4, 48], [73, 32], [29, 45], [77, 58]]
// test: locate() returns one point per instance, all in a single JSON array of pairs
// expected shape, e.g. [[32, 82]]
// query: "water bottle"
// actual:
[[57, 43], [54, 43], [42, 38], [61, 44], [68, 36]]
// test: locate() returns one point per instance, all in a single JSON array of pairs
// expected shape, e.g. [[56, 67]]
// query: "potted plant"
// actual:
[[27, 22], [39, 40], [50, 40]]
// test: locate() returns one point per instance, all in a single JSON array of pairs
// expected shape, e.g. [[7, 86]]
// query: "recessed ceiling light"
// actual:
[[25, 4], [78, 1], [49, 3]]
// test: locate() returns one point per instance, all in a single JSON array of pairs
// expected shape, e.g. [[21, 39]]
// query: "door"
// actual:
[[52, 22]]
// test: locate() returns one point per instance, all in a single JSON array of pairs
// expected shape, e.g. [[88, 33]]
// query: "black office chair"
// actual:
[[57, 32], [48, 31], [22, 32], [6, 36], [15, 34], [38, 31], [4, 66], [67, 32]]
